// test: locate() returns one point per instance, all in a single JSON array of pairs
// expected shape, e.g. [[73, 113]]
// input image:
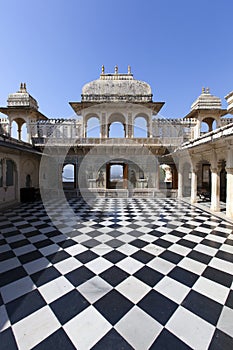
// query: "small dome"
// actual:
[[206, 101], [117, 87], [22, 99]]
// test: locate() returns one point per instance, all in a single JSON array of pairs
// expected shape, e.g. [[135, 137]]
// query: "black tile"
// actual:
[[86, 256], [59, 256], [162, 243], [187, 243], [113, 306], [229, 242], [183, 276], [24, 306], [168, 341], [178, 233], [229, 301], [25, 258], [112, 340], [114, 275], [115, 243], [225, 256], [142, 256], [218, 276], [6, 255], [211, 244], [203, 306], [149, 276], [114, 256], [12, 275], [138, 243], [171, 256], [7, 340], [56, 341], [221, 341], [44, 243], [79, 275], [198, 256], [19, 244], [91, 243], [158, 306], [68, 306], [45, 275]]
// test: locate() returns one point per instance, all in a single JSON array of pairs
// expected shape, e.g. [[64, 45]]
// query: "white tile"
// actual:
[[33, 329], [55, 289], [179, 249], [225, 322], [190, 328], [4, 320], [226, 248], [94, 289], [53, 248], [205, 249], [171, 238], [67, 265], [102, 249], [215, 238], [133, 289], [25, 249], [127, 249], [148, 238], [192, 265], [193, 238], [211, 289], [144, 230], [87, 328], [161, 265], [138, 328], [130, 265], [98, 265], [172, 289], [76, 249], [37, 265], [15, 289], [222, 265], [9, 264], [124, 229], [153, 249], [126, 238]]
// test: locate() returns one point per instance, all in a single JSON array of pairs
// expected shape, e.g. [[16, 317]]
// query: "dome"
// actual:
[[206, 101], [22, 99], [117, 87]]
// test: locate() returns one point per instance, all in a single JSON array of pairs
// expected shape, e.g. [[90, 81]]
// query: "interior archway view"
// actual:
[[117, 225]]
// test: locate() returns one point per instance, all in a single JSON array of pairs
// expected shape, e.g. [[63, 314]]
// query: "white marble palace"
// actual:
[[118, 145]]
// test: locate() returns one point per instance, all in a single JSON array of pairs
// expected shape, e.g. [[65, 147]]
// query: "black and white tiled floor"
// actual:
[[141, 274]]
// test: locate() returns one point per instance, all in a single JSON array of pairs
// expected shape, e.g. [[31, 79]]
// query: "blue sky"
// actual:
[[56, 46]]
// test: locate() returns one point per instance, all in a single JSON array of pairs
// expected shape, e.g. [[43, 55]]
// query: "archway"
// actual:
[[116, 130], [19, 129], [68, 176], [140, 127], [93, 127]]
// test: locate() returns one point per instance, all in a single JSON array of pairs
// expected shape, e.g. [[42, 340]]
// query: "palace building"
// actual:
[[118, 145]]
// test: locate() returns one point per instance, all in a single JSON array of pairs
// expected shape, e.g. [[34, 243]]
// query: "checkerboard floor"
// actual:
[[122, 274]]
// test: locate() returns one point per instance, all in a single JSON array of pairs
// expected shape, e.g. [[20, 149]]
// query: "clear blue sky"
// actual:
[[56, 46]]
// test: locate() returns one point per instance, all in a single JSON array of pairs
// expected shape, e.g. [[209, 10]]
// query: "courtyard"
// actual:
[[131, 273]]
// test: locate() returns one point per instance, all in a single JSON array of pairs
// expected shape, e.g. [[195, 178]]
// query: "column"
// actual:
[[215, 189], [180, 181], [229, 199], [197, 129], [194, 186]]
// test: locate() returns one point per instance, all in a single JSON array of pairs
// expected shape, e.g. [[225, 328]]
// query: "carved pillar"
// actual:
[[130, 126], [215, 189], [180, 181], [197, 129], [229, 199], [194, 185]]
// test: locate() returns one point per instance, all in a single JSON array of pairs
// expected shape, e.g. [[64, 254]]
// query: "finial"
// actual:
[[24, 86], [21, 87], [102, 69], [203, 90], [207, 90], [116, 69], [129, 70]]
